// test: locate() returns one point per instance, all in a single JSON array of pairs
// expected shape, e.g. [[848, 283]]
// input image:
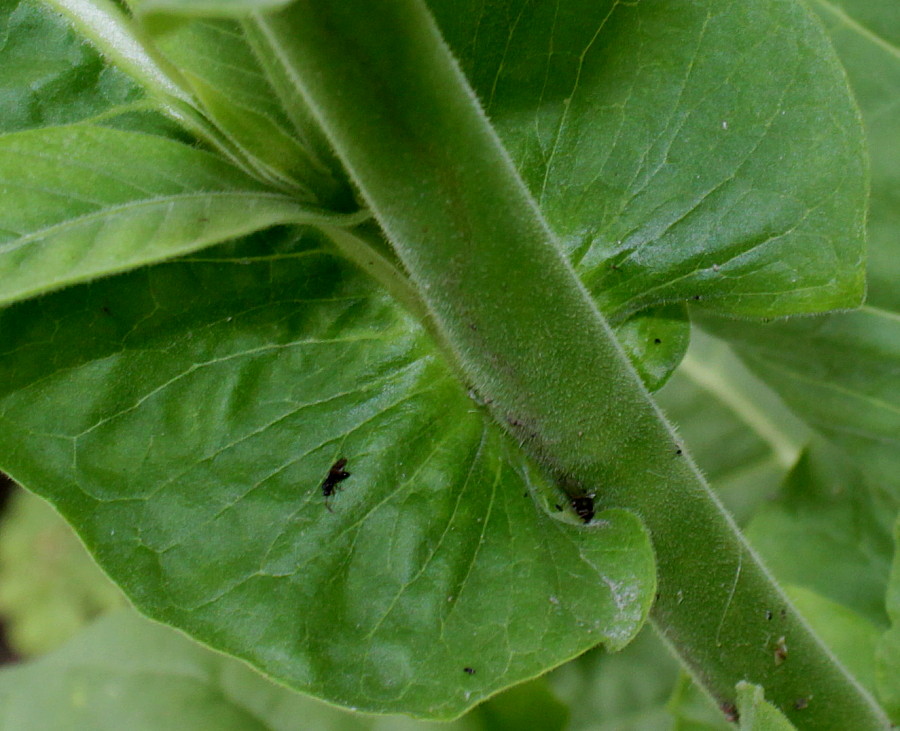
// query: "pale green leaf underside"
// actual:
[[128, 672], [82, 201], [679, 151], [183, 419]]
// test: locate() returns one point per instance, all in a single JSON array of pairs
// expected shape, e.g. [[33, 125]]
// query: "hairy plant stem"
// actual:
[[384, 86]]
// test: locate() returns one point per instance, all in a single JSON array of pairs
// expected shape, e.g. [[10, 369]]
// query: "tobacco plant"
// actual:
[[335, 331]]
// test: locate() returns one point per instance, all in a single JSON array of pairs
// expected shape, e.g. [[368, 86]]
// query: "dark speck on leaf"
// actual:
[[801, 703], [336, 475], [558, 508], [105, 310], [783, 613], [469, 671], [696, 296], [657, 341], [679, 451], [584, 507], [769, 614]]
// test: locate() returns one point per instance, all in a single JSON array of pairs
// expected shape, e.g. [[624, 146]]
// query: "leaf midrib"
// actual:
[[784, 448], [113, 210]]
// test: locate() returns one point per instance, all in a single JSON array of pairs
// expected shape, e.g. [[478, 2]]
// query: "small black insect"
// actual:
[[584, 507], [335, 476], [801, 703], [769, 614], [469, 671], [657, 340]]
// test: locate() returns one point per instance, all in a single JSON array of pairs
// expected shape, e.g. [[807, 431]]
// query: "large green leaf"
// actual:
[[127, 672], [192, 419], [184, 417], [82, 201], [680, 151]]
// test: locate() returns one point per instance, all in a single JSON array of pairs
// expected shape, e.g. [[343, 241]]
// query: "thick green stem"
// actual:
[[393, 102]]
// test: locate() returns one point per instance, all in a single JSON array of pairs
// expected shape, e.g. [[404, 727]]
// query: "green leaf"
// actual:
[[887, 671], [51, 77], [663, 215], [830, 533], [756, 714], [127, 672], [83, 201], [679, 151], [741, 435], [632, 690], [655, 340], [49, 586], [852, 637], [625, 691], [888, 655], [866, 34], [206, 8], [828, 539], [853, 401], [184, 417], [527, 336], [219, 65]]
